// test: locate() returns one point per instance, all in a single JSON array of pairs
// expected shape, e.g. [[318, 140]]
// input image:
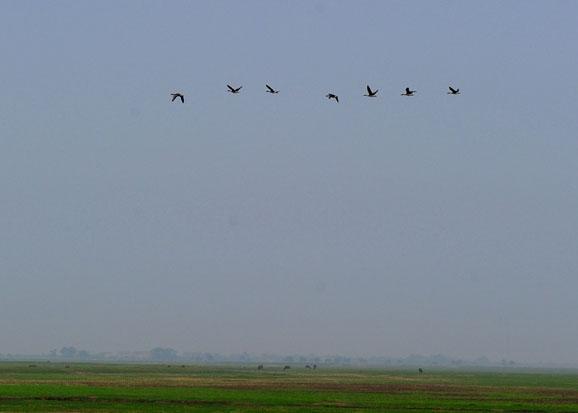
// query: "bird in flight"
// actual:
[[178, 95], [453, 91], [371, 93], [233, 90], [408, 92], [271, 90], [332, 96]]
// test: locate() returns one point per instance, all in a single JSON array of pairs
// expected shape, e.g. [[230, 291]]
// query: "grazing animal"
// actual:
[[420, 370], [308, 366], [286, 368], [271, 90], [408, 92], [178, 95], [332, 96], [371, 93], [233, 90], [314, 366], [260, 367], [453, 91]]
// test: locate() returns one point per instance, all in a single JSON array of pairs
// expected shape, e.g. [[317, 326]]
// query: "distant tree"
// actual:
[[68, 352], [482, 361], [244, 357], [208, 357], [163, 354]]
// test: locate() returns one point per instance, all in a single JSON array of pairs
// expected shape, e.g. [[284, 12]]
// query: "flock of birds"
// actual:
[[370, 93]]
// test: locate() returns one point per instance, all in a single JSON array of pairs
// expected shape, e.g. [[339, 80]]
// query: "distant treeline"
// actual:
[[163, 354]]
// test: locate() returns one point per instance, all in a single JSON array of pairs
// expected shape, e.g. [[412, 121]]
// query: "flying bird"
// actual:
[[371, 93], [408, 92], [233, 90], [453, 91], [271, 90], [178, 95], [332, 96]]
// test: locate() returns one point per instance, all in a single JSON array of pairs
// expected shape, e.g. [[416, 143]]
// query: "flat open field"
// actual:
[[56, 387]]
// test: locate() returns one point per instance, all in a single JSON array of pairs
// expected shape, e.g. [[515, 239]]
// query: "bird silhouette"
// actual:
[[370, 93], [453, 91], [233, 90], [271, 90], [332, 96], [408, 92], [178, 95]]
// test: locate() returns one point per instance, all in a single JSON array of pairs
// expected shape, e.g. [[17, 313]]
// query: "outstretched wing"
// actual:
[[231, 88], [239, 88], [337, 98], [182, 98], [453, 90], [174, 95], [270, 89], [369, 90]]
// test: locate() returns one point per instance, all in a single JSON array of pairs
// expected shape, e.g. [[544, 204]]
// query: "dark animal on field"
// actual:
[[178, 95], [420, 370], [308, 366], [453, 91], [314, 366], [408, 92], [271, 90], [371, 93], [260, 367], [286, 367], [332, 96], [234, 90]]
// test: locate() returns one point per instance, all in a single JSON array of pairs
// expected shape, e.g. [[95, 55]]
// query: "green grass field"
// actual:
[[56, 387]]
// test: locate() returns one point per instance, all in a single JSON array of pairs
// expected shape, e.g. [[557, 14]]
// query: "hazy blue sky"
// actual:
[[289, 223]]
